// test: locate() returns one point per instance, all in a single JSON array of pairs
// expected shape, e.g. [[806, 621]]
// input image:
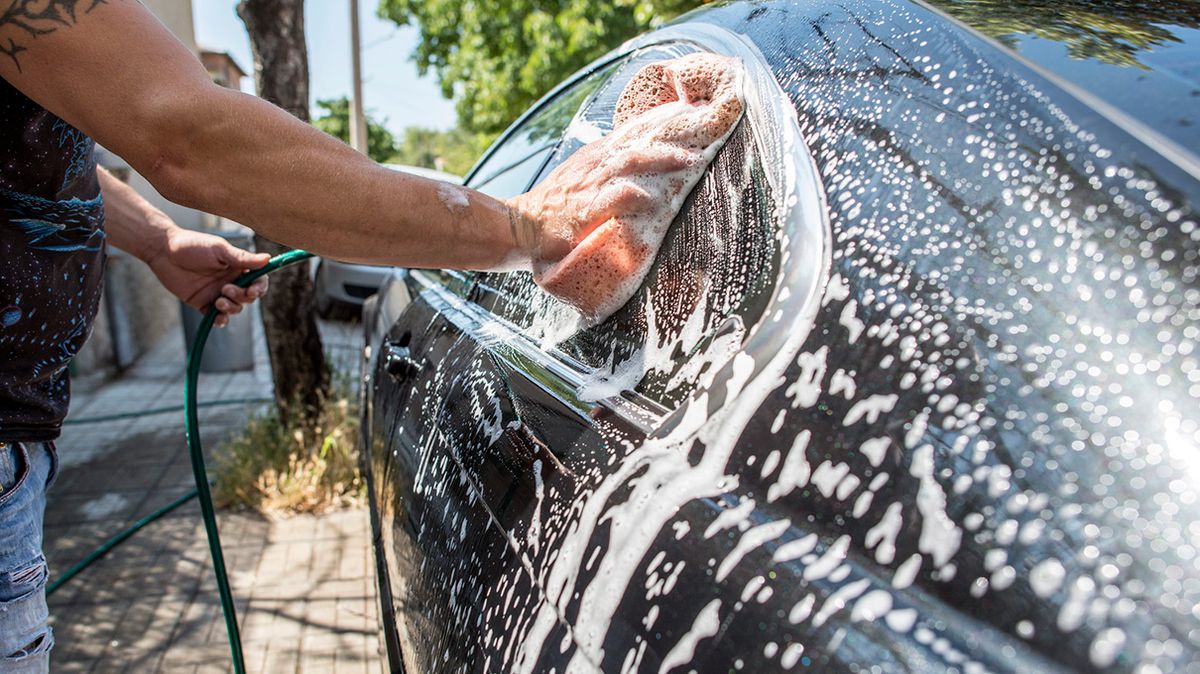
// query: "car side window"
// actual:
[[511, 167], [509, 170], [712, 280]]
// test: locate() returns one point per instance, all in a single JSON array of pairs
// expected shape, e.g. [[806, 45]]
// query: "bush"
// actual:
[[289, 467]]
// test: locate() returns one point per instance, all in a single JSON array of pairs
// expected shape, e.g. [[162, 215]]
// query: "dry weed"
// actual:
[[279, 468]]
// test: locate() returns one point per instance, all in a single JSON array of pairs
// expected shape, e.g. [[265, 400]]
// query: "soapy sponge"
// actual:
[[669, 123]]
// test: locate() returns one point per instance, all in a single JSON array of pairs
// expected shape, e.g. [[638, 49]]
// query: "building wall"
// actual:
[[177, 16], [222, 68], [137, 311]]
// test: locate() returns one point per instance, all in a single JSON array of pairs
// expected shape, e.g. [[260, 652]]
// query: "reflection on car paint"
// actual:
[[980, 454]]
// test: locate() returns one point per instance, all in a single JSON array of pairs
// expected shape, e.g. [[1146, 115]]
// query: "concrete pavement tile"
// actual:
[[283, 659], [123, 659], [320, 641], [150, 502], [352, 662], [334, 587], [157, 603], [184, 659], [255, 655], [300, 558], [323, 614], [374, 647], [290, 620], [131, 478], [260, 619], [70, 665], [156, 635], [353, 614], [322, 662], [191, 630], [95, 507]]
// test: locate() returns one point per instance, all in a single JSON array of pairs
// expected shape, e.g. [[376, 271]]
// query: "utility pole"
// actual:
[[358, 119]]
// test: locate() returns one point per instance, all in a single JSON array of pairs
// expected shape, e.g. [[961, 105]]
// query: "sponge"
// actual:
[[672, 118]]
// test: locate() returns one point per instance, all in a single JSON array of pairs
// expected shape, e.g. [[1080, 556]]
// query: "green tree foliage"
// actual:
[[1112, 31], [452, 151], [496, 57], [335, 121]]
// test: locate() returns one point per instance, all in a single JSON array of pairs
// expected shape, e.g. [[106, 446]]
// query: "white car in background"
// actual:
[[342, 287]]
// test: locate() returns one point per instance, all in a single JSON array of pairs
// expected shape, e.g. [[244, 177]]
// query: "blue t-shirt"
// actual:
[[51, 262]]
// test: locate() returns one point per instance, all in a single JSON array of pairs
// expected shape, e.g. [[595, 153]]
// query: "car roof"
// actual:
[[1135, 63], [1141, 58]]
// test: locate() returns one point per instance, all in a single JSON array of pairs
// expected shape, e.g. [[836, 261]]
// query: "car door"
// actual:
[[434, 401], [631, 530], [520, 429]]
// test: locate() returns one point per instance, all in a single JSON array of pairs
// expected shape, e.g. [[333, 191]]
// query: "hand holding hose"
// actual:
[[199, 269]]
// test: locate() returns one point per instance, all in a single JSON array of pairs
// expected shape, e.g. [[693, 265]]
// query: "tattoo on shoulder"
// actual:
[[26, 20]]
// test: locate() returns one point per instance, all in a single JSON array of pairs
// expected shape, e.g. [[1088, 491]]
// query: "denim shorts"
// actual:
[[26, 471]]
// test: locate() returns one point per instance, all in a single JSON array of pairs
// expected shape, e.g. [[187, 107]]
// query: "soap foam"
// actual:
[[453, 197], [670, 122], [662, 473]]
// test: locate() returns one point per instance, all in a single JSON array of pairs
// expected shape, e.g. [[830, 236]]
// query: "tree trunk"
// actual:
[[298, 364]]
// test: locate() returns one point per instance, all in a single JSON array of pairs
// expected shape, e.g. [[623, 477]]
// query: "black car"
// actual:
[[912, 386]]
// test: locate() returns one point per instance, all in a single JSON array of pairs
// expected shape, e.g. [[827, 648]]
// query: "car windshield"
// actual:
[[1141, 57]]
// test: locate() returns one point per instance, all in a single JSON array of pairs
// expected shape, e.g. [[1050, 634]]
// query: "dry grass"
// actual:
[[280, 468]]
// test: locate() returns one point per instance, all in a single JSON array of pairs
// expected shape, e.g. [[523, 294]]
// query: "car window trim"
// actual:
[[508, 341], [514, 164]]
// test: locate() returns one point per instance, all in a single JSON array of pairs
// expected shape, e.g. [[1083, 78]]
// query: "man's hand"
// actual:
[[197, 268], [594, 225]]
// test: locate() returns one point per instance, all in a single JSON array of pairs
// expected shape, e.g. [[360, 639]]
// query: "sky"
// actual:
[[393, 91]]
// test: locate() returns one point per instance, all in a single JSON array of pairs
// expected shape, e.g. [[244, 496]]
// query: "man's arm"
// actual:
[[196, 267], [112, 70]]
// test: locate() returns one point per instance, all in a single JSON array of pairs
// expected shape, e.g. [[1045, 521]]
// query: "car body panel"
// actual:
[[349, 283], [960, 436]]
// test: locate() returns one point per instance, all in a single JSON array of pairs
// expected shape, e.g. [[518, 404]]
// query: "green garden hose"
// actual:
[[192, 427]]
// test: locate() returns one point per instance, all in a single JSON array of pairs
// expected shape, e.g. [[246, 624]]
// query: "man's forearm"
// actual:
[[240, 157], [150, 101], [133, 224], [237, 156]]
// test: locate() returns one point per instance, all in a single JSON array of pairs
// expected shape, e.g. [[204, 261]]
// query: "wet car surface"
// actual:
[[911, 387]]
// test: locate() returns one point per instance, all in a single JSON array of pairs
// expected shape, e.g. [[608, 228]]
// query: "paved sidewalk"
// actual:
[[304, 586]]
